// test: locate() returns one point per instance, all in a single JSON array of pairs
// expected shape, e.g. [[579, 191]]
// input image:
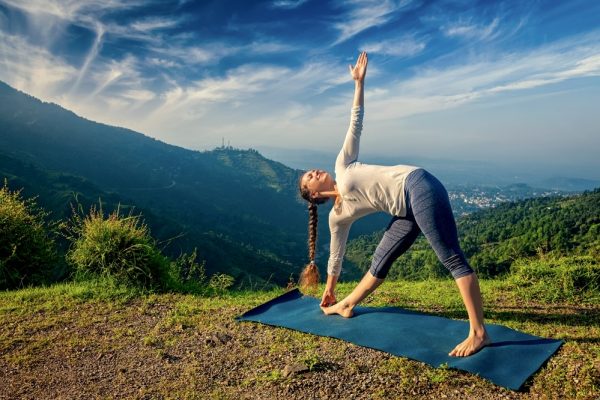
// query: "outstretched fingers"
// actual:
[[362, 59], [359, 70]]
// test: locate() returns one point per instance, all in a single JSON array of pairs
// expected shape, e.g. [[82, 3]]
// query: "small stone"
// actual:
[[223, 337], [292, 369]]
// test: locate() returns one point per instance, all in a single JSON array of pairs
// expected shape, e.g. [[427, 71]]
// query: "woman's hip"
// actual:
[[423, 189]]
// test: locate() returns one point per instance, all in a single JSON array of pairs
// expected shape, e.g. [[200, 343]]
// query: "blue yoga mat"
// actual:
[[511, 358]]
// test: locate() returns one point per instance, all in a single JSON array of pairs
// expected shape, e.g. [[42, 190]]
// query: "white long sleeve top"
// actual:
[[364, 189]]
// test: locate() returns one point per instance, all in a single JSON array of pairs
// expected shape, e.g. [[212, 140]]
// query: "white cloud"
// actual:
[[70, 9], [470, 30], [363, 15], [92, 53], [406, 46], [211, 53], [33, 69], [267, 47], [156, 23], [162, 62], [442, 88], [235, 88], [288, 4]]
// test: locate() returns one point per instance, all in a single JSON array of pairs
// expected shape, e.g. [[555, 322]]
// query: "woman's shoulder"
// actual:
[[340, 214]]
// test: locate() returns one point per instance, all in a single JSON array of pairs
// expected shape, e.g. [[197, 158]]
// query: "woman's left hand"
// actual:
[[359, 71], [328, 298]]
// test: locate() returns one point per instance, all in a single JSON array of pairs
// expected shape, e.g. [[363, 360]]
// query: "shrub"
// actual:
[[220, 283], [186, 275], [117, 246], [27, 248], [560, 279]]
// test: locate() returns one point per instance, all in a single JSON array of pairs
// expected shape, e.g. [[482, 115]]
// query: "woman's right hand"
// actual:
[[359, 71], [328, 298]]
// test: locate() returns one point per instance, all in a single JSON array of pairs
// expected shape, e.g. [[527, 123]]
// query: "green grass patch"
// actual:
[[172, 339], [568, 279]]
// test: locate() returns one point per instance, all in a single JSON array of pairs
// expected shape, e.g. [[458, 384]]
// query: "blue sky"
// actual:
[[514, 82]]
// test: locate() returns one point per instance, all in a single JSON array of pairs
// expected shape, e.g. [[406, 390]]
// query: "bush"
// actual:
[[186, 275], [560, 279], [116, 246], [27, 249], [220, 283]]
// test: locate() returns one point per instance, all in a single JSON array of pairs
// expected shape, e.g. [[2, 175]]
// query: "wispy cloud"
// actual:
[[211, 52], [362, 15], [406, 46], [156, 23], [92, 53], [71, 9], [238, 83], [472, 30], [441, 88], [33, 69], [287, 4]]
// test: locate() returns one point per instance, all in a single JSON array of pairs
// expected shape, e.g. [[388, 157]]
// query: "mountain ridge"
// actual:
[[196, 189]]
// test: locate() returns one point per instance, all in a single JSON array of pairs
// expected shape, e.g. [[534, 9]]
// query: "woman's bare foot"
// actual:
[[471, 345], [342, 308]]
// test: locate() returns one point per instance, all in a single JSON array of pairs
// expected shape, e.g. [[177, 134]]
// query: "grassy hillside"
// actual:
[[59, 192], [92, 341], [220, 201]]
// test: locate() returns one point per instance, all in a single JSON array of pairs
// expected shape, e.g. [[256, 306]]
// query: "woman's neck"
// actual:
[[330, 193]]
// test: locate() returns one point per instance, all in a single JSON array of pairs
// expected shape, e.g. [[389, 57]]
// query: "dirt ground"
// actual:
[[175, 347]]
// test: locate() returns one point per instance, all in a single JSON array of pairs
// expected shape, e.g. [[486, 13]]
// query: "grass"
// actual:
[[107, 341]]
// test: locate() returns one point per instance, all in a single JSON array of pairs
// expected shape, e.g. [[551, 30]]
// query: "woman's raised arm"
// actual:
[[358, 73]]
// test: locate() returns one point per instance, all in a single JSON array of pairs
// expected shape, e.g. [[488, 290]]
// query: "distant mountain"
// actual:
[[573, 184], [453, 173], [240, 209]]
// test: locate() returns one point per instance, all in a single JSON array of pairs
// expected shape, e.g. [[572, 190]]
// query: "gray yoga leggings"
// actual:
[[428, 211]]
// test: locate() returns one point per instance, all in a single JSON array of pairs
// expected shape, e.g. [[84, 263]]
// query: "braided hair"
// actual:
[[309, 278]]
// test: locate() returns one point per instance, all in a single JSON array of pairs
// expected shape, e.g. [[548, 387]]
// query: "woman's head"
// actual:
[[311, 183], [314, 181]]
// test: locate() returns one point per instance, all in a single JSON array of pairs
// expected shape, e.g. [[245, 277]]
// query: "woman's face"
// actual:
[[317, 180]]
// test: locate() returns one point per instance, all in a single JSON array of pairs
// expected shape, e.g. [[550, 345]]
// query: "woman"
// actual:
[[418, 203]]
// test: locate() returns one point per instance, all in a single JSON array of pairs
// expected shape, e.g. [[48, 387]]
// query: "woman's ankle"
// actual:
[[479, 331]]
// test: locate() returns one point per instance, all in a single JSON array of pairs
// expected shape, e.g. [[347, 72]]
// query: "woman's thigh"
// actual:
[[430, 207], [399, 235]]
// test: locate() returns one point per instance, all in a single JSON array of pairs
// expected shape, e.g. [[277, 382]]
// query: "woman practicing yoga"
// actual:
[[417, 201]]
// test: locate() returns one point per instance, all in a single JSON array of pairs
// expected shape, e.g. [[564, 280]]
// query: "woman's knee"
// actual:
[[457, 265]]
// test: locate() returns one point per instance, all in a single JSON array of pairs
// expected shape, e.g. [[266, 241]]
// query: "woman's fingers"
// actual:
[[358, 71]]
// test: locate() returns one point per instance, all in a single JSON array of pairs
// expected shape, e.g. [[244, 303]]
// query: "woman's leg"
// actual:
[[431, 208], [399, 235], [346, 307], [478, 338]]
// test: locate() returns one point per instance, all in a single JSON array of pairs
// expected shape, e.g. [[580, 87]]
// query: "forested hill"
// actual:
[[494, 238], [229, 203]]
